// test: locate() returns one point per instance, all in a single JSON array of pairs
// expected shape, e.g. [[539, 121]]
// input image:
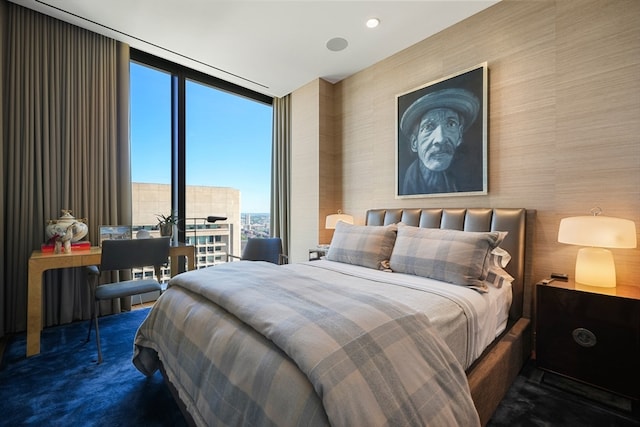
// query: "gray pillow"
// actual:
[[368, 246], [458, 257]]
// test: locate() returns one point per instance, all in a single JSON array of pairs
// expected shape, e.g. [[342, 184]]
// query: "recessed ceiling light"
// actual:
[[373, 22], [337, 44]]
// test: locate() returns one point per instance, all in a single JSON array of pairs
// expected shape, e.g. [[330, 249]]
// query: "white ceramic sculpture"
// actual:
[[65, 226]]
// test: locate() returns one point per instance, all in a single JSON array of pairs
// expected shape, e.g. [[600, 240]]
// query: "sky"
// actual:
[[228, 137]]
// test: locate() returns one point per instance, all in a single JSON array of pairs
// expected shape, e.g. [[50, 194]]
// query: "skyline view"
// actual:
[[228, 138]]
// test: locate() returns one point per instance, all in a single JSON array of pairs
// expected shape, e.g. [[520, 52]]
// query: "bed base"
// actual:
[[174, 392], [494, 372]]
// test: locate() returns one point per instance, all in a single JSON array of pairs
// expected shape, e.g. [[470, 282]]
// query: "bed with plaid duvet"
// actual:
[[252, 343]]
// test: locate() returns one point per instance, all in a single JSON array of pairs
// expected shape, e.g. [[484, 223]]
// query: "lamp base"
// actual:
[[595, 267]]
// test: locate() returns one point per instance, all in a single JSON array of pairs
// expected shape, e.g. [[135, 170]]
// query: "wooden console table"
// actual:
[[40, 262]]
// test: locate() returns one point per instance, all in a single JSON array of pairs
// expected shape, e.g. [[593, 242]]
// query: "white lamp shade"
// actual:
[[333, 219], [598, 231], [595, 265]]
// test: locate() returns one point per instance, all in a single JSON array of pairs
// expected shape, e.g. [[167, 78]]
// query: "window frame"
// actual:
[[179, 75]]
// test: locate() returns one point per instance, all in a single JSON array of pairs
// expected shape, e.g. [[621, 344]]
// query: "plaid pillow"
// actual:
[[498, 277], [458, 257], [368, 246]]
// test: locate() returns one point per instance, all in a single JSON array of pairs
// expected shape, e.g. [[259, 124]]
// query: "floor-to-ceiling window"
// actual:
[[150, 143], [200, 147], [228, 167]]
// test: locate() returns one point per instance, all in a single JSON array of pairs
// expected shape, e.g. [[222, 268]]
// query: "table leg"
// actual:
[[175, 259], [34, 309]]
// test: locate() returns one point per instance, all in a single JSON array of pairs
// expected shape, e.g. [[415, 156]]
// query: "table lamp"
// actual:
[[333, 219], [594, 263]]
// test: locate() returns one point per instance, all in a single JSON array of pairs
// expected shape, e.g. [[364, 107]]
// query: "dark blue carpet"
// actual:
[[63, 385], [538, 399]]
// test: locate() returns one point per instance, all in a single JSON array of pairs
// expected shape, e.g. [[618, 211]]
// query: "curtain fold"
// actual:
[[281, 170], [66, 146], [3, 283]]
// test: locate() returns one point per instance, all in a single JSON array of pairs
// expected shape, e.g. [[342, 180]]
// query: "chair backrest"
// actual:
[[132, 253], [259, 249]]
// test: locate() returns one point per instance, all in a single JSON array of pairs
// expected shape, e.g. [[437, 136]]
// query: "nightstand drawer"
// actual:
[[591, 337]]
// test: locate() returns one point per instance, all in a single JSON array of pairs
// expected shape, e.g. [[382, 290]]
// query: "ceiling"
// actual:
[[272, 47]]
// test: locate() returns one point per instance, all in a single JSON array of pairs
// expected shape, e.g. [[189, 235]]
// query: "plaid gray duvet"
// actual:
[[252, 343]]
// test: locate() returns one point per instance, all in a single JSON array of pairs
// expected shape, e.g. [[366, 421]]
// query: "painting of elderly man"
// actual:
[[441, 137]]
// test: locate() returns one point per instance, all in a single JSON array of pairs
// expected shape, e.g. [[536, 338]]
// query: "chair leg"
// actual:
[[98, 333], [93, 282], [93, 313], [89, 332]]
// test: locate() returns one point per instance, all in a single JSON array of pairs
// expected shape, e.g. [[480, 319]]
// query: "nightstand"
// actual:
[[316, 253], [590, 334]]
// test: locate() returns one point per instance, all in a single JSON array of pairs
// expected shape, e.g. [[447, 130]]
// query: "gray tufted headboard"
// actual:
[[473, 219]]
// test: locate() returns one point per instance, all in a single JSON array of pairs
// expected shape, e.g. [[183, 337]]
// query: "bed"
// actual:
[[412, 319]]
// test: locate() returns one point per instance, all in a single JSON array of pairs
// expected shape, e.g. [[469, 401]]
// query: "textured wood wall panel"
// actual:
[[564, 117], [330, 162], [305, 170]]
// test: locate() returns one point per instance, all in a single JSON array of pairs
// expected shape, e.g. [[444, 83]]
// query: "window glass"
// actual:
[[150, 132], [228, 163], [227, 157]]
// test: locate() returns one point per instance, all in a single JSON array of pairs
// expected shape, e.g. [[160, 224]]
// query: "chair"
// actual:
[[262, 249], [125, 255]]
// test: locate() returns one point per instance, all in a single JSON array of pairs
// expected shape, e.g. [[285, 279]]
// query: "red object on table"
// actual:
[[75, 246]]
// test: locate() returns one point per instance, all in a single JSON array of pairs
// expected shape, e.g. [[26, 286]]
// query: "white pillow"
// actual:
[[498, 259]]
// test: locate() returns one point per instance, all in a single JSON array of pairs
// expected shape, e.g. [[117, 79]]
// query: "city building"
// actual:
[[212, 240]]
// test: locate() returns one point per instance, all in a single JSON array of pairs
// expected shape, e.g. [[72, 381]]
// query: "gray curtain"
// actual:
[[281, 170], [3, 282], [65, 118]]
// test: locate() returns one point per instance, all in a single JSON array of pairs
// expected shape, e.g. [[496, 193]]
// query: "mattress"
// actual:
[[467, 320]]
